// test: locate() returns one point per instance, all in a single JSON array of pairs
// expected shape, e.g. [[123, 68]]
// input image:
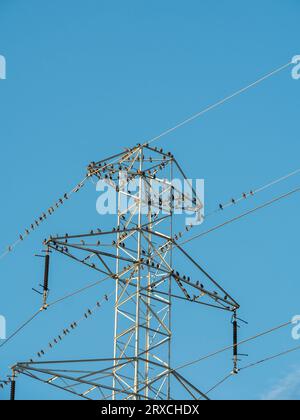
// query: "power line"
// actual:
[[219, 103], [268, 359], [241, 216], [32, 318], [220, 383], [252, 365], [76, 292], [65, 332], [235, 201], [21, 328], [52, 209], [267, 204], [43, 217], [253, 192], [75, 324], [216, 353]]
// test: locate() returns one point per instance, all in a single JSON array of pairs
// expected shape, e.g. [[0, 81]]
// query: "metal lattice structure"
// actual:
[[138, 255]]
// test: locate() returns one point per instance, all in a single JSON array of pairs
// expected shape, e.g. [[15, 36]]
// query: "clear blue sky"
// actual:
[[86, 79]]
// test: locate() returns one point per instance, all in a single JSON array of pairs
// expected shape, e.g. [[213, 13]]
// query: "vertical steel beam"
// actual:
[[117, 291], [138, 284]]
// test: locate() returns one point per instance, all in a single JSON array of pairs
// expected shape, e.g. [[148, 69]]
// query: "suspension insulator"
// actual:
[[13, 390], [235, 345], [235, 338], [46, 275]]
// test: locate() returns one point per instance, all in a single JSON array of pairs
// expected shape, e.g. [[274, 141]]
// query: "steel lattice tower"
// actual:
[[138, 255], [143, 322]]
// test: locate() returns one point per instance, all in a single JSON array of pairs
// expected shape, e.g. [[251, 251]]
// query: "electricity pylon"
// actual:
[[138, 255]]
